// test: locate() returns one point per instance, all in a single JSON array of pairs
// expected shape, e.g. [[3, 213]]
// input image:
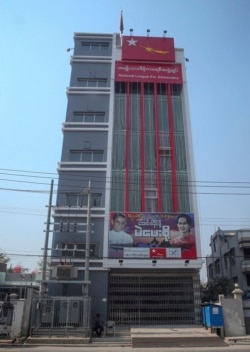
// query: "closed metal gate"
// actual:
[[6, 317], [60, 315], [154, 298], [247, 325]]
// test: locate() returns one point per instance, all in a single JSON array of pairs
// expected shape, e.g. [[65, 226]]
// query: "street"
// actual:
[[89, 348]]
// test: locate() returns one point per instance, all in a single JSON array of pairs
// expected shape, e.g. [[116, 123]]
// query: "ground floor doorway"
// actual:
[[154, 297]]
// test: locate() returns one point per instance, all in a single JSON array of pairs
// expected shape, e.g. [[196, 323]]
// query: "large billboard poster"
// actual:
[[152, 235]]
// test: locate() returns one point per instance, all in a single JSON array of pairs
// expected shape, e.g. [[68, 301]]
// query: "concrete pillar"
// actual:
[[237, 292]]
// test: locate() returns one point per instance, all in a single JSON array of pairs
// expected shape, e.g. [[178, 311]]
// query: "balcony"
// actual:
[[245, 265], [244, 239], [83, 166]]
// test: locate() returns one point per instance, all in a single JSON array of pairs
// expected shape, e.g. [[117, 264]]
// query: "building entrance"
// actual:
[[154, 298]]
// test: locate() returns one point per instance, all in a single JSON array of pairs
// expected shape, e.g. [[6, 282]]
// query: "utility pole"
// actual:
[[46, 242], [86, 310]]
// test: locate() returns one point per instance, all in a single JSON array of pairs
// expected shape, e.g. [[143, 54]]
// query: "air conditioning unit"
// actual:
[[64, 272]]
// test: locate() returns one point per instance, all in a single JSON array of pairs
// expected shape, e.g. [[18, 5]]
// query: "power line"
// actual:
[[103, 178], [102, 257], [23, 190], [32, 172], [21, 181], [116, 189]]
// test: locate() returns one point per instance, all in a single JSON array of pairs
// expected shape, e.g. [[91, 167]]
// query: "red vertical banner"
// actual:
[[173, 155], [127, 151], [142, 148], [157, 147]]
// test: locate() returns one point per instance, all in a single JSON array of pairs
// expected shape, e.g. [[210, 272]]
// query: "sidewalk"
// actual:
[[149, 338]]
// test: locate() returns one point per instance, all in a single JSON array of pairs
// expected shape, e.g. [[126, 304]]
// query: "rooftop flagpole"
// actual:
[[121, 26]]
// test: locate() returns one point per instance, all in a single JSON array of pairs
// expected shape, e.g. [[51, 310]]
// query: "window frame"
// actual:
[[91, 82], [92, 116], [93, 46], [78, 249], [82, 199], [151, 199], [92, 153]]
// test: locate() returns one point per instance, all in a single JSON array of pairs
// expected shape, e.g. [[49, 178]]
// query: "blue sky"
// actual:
[[35, 72]]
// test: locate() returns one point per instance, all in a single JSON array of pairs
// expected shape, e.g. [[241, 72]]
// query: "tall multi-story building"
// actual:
[[126, 207]]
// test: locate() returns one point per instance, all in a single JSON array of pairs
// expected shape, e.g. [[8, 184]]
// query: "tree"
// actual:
[[215, 287], [4, 258]]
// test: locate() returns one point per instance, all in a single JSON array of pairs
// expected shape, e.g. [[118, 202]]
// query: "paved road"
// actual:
[[89, 348]]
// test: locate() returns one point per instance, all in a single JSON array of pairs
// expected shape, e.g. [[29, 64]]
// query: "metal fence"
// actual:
[[60, 316]]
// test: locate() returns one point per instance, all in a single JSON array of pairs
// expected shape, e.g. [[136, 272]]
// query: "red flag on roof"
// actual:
[[121, 24]]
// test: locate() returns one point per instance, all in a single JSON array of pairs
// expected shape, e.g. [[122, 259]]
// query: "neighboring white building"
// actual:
[[127, 131], [230, 257]]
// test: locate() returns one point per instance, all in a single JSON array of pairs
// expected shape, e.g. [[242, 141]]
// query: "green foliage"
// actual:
[[215, 287]]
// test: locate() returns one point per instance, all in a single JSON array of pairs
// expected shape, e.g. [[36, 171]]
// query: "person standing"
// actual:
[[98, 325]]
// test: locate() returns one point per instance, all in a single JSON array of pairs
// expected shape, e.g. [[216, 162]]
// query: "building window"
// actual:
[[86, 155], [95, 46], [89, 116], [226, 260], [148, 88], [120, 87], [214, 244], [151, 199], [217, 266], [246, 252], [176, 89], [77, 250], [248, 279], [135, 88], [232, 256], [81, 200], [210, 271], [161, 89], [235, 279], [93, 82], [165, 159], [67, 250]]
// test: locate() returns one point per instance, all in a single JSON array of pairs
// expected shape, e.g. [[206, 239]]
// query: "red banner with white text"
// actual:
[[159, 73]]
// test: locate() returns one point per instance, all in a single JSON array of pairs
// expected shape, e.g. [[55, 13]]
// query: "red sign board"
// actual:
[[148, 49], [140, 72]]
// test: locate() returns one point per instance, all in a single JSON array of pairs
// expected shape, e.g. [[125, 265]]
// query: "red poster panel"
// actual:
[[159, 73], [148, 49], [152, 235]]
